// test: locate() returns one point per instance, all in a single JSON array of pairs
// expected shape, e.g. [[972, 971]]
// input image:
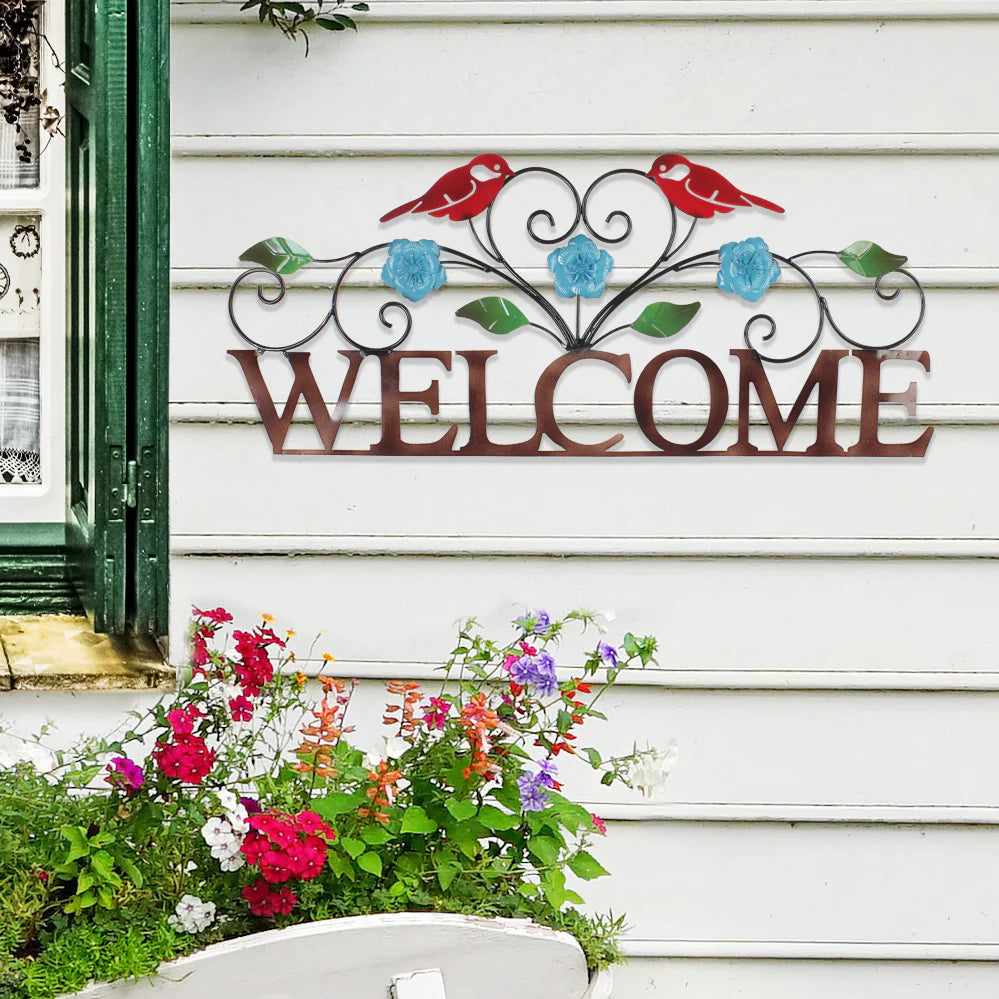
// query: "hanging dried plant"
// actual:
[[22, 43]]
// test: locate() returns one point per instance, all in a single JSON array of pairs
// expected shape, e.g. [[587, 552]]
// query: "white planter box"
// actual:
[[406, 955]]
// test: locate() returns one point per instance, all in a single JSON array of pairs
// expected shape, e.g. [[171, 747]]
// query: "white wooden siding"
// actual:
[[827, 663]]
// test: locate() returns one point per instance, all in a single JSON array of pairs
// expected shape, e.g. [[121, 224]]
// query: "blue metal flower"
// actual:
[[413, 267], [747, 268], [580, 268]]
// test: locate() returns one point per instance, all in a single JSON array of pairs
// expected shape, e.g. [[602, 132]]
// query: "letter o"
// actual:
[[718, 393]]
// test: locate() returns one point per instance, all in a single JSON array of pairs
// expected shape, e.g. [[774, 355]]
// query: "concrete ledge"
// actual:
[[62, 652]]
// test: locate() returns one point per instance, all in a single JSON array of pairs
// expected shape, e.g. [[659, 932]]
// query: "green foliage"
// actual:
[[293, 19], [98, 855]]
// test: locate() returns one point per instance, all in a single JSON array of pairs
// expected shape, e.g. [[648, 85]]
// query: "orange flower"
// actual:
[[267, 618], [300, 679], [328, 658]]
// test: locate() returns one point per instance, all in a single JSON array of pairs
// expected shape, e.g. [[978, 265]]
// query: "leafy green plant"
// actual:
[[293, 19], [256, 806]]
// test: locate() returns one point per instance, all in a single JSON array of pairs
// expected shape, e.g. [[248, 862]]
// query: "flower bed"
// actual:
[[243, 803]]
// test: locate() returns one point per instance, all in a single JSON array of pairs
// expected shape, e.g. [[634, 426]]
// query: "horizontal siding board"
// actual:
[[800, 883], [228, 11], [907, 203], [618, 74], [957, 334], [552, 143], [360, 496], [729, 614]]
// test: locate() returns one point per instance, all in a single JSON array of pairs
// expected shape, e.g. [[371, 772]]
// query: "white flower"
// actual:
[[193, 915], [231, 863], [649, 769], [235, 812], [216, 831]]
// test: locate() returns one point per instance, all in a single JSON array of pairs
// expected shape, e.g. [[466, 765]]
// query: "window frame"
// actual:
[[36, 563]]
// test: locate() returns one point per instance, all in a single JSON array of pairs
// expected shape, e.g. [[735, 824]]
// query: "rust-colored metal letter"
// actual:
[[304, 386], [392, 396], [824, 374], [544, 400], [870, 406], [717, 391], [478, 424]]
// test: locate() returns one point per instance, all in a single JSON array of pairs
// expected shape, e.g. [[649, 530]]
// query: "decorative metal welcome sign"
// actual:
[[580, 268]]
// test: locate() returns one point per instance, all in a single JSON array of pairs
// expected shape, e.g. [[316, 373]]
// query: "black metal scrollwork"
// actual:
[[280, 256]]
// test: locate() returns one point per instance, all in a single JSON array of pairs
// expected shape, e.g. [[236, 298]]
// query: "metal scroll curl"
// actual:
[[579, 264]]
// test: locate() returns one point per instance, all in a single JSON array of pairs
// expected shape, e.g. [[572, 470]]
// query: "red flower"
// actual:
[[266, 901], [241, 708], [286, 846], [188, 759], [217, 616], [182, 719]]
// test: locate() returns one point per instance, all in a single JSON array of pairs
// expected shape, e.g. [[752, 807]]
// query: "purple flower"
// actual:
[[124, 774], [251, 805], [533, 797], [608, 654], [536, 672], [537, 622], [547, 772]]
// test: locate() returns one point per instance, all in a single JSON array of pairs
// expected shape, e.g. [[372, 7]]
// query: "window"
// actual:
[[86, 525]]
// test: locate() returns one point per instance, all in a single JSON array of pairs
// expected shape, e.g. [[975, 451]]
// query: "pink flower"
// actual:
[[598, 824], [436, 716], [125, 775]]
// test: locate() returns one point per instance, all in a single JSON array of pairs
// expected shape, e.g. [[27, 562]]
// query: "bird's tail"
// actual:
[[401, 210], [763, 203]]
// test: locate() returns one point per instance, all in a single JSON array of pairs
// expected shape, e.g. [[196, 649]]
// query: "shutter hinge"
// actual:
[[131, 483]]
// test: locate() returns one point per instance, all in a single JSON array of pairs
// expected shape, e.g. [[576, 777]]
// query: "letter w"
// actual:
[[304, 386]]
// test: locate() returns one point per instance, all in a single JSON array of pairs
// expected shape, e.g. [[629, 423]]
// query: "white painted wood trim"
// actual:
[[562, 144], [818, 950], [586, 547], [707, 678], [323, 278], [595, 414], [399, 11], [712, 679], [783, 812]]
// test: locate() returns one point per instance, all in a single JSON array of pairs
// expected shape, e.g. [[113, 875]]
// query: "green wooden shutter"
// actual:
[[97, 281], [151, 313]]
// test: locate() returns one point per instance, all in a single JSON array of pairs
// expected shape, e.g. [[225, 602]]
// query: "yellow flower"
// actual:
[[300, 679], [328, 657], [267, 618], [289, 633]]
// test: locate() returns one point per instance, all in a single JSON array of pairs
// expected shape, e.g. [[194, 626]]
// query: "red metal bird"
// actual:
[[462, 193], [698, 190]]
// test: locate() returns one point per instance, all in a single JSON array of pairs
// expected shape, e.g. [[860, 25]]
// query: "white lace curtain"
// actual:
[[20, 459]]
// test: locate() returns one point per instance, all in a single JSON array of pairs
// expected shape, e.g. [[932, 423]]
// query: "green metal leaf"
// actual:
[[662, 319], [277, 254], [494, 314], [870, 260]]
